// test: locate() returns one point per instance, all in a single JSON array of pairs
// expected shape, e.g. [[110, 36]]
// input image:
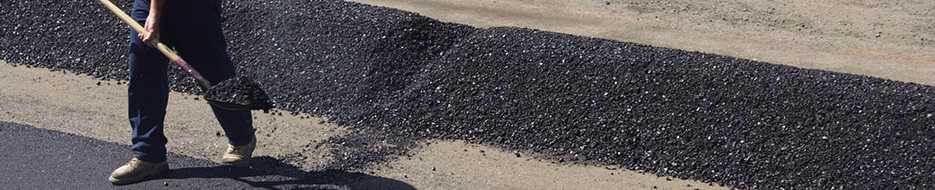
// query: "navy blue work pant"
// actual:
[[193, 28]]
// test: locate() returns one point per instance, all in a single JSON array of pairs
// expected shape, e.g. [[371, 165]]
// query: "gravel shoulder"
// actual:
[[76, 104]]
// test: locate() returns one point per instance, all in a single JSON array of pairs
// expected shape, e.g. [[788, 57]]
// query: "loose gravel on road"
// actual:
[[736, 122]]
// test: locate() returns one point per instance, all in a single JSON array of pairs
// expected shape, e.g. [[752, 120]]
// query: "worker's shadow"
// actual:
[[268, 173]]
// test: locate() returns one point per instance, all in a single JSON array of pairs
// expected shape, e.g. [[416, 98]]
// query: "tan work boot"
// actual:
[[239, 155], [137, 170]]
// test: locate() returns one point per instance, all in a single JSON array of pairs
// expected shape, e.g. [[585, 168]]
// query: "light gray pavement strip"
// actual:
[[36, 158]]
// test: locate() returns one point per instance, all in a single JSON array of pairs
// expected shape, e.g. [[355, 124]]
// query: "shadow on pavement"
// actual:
[[269, 173]]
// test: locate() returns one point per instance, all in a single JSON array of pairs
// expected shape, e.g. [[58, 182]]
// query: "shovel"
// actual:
[[236, 94]]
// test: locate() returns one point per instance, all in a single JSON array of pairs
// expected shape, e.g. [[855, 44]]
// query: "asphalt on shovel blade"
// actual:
[[242, 92]]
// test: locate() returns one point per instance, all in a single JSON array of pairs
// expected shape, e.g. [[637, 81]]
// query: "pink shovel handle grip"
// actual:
[[194, 73]]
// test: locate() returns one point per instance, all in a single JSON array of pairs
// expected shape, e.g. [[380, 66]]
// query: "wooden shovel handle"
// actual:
[[136, 26], [171, 54]]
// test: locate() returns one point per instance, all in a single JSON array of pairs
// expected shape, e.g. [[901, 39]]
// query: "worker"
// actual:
[[193, 27]]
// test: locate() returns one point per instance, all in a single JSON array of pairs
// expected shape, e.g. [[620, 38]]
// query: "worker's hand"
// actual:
[[151, 35]]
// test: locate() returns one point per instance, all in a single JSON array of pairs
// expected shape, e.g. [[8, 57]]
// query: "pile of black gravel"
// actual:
[[699, 116], [241, 92], [333, 58], [671, 112], [73, 35]]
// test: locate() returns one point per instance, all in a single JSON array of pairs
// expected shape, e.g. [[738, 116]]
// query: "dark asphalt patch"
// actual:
[[41, 159], [401, 77]]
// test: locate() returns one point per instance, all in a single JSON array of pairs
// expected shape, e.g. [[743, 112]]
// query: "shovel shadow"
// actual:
[[269, 173]]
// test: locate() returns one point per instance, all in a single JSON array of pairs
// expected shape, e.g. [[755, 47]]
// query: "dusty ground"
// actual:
[[888, 39], [78, 105]]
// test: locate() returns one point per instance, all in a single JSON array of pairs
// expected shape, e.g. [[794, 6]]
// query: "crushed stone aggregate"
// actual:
[[400, 77]]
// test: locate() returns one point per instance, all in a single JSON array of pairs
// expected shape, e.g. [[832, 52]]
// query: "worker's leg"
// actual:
[[148, 94], [201, 43]]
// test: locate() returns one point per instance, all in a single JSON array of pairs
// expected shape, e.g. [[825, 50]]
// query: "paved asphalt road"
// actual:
[[32, 158]]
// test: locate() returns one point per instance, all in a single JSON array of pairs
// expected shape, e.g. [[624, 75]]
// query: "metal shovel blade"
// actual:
[[240, 93]]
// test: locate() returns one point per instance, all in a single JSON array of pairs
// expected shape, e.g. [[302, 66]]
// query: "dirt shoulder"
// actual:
[[887, 39]]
